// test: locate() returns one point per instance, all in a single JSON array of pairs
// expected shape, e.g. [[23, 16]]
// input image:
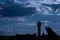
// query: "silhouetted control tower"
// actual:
[[39, 28]]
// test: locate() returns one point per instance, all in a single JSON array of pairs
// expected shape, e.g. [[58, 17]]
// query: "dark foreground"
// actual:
[[51, 36], [7, 37], [28, 37]]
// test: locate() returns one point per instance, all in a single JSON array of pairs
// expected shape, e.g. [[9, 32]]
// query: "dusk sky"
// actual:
[[21, 16]]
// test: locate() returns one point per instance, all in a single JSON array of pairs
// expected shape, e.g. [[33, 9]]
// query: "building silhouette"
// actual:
[[50, 32], [51, 35], [39, 28]]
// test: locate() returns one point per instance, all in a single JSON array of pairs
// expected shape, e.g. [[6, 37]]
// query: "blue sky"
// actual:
[[22, 15]]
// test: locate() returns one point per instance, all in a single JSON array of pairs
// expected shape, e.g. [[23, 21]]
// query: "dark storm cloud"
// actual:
[[17, 10]]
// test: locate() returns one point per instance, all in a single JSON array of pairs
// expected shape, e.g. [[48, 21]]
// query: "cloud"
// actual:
[[45, 22], [42, 10], [58, 14], [18, 19], [13, 19], [17, 10], [0, 15], [1, 8], [28, 24], [31, 5]]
